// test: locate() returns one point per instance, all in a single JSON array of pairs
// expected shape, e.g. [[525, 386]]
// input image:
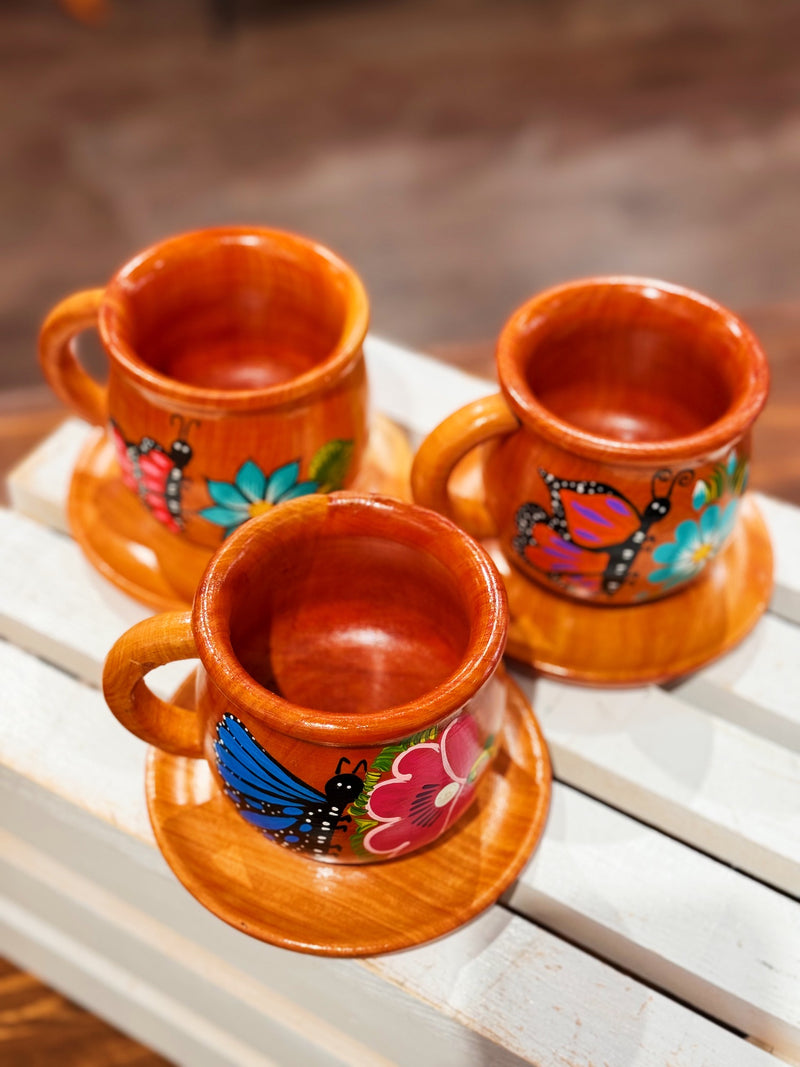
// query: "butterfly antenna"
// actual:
[[681, 478], [361, 763], [660, 476], [184, 425], [344, 759]]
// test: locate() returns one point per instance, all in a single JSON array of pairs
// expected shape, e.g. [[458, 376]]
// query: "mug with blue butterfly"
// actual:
[[350, 692], [614, 457]]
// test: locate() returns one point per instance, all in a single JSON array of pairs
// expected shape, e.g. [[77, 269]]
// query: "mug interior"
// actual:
[[354, 612], [232, 309], [629, 362], [355, 624]]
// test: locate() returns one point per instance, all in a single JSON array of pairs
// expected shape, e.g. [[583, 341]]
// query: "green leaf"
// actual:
[[740, 477], [329, 466]]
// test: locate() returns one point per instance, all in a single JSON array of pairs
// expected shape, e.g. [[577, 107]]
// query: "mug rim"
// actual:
[[345, 353], [359, 515], [721, 433]]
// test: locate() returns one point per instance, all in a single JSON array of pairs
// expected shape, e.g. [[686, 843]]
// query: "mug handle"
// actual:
[[149, 644], [442, 449], [69, 381]]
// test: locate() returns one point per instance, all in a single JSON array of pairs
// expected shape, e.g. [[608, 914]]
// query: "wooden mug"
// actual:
[[349, 695], [236, 375], [617, 450]]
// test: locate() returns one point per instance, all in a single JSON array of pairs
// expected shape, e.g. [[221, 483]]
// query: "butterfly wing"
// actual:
[[548, 552], [156, 469], [600, 518], [265, 792]]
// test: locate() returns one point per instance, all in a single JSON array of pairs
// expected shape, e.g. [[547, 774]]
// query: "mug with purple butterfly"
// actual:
[[617, 451]]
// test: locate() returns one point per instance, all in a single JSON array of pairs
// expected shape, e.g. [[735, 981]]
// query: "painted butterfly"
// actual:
[[154, 474], [594, 533], [289, 811]]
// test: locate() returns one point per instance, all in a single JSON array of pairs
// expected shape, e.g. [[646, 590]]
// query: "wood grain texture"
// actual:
[[39, 1027]]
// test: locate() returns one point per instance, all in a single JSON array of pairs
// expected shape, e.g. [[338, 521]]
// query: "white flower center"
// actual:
[[445, 795]]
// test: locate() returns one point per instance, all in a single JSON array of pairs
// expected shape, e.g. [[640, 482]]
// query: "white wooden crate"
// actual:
[[657, 923]]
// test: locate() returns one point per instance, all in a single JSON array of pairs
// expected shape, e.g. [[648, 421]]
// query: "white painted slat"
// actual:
[[415, 390], [54, 604], [622, 890], [755, 685], [58, 733], [663, 911], [695, 776], [38, 485], [610, 1019], [513, 989], [783, 521]]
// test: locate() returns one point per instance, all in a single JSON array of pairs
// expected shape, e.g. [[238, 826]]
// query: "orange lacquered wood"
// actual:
[[632, 384], [68, 379], [445, 447], [237, 344], [147, 645], [288, 900], [131, 549], [331, 628]]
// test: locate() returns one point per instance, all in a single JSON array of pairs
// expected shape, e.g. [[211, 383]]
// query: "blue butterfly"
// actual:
[[287, 810]]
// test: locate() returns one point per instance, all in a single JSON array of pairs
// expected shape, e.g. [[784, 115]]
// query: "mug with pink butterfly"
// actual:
[[236, 382], [616, 453]]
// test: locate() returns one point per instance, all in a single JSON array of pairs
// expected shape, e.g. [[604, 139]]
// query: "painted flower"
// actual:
[[253, 492], [431, 784], [695, 543]]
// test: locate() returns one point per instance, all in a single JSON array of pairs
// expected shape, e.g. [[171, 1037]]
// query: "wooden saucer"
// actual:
[[130, 548], [644, 643], [337, 910]]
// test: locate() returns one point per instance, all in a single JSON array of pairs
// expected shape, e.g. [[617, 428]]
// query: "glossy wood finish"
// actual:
[[646, 643], [344, 910], [629, 391], [130, 548], [336, 630], [227, 347]]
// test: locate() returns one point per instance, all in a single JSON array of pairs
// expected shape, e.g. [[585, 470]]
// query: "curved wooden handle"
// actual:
[[441, 450], [149, 644], [69, 381]]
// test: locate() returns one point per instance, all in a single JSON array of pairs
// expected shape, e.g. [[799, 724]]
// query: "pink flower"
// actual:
[[431, 784]]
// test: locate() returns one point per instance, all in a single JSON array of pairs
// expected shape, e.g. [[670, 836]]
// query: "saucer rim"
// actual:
[[751, 536], [97, 458], [521, 731]]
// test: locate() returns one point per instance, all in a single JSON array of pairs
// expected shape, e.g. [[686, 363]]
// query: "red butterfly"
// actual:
[[154, 474], [594, 533]]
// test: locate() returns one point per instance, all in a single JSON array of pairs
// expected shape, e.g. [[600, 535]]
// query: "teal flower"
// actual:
[[253, 492], [694, 545]]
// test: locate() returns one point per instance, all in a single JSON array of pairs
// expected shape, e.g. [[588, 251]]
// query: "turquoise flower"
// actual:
[[695, 543], [253, 492]]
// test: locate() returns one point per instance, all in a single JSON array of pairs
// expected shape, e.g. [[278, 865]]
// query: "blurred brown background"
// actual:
[[461, 153]]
